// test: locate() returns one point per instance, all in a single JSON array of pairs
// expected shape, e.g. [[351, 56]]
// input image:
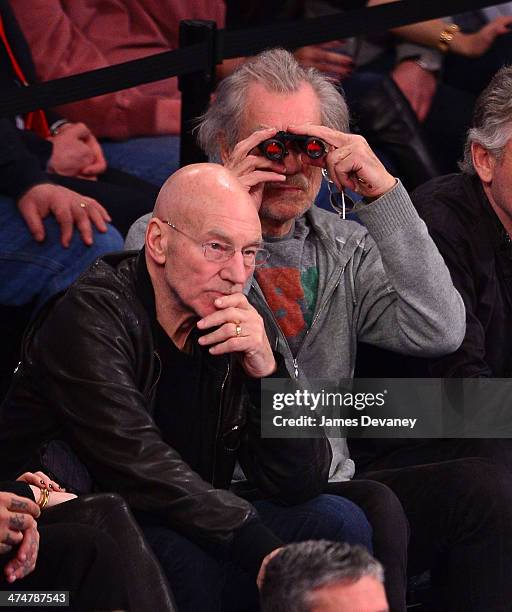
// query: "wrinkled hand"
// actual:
[[252, 344], [253, 171], [261, 574], [476, 44], [76, 152], [41, 200], [18, 527], [418, 86], [323, 58], [350, 162]]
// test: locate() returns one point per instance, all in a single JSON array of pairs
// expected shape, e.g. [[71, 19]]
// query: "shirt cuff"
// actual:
[[391, 212]]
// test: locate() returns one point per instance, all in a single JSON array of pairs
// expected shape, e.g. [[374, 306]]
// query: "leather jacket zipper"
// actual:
[[219, 423]]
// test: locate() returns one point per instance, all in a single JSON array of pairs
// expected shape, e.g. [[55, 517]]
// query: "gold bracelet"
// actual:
[[42, 502], [446, 37]]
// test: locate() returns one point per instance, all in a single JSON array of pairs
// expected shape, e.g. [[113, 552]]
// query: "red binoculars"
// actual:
[[275, 148]]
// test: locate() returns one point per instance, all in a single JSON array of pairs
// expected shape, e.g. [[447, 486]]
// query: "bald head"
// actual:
[[200, 189], [201, 211]]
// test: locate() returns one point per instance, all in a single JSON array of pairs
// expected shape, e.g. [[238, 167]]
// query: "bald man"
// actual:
[[148, 368]]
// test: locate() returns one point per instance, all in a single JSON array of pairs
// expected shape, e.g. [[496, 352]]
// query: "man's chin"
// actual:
[[207, 305]]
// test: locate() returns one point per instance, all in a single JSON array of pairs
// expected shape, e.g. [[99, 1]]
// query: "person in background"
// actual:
[[323, 576], [61, 207], [60, 557], [139, 127], [332, 282], [469, 216]]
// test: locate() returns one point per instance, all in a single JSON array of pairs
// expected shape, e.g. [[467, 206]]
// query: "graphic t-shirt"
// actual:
[[289, 281]]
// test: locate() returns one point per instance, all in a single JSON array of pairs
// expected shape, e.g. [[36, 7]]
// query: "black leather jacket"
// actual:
[[88, 375]]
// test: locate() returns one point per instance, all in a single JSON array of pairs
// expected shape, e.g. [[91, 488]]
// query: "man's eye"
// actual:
[[250, 252], [217, 246]]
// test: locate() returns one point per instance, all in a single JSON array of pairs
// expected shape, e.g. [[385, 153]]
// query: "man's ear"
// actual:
[[156, 240], [483, 161]]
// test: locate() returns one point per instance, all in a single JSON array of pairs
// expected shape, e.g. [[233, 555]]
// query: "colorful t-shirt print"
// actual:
[[289, 282]]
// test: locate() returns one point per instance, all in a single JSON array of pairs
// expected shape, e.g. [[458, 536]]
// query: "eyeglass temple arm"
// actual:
[[330, 182]]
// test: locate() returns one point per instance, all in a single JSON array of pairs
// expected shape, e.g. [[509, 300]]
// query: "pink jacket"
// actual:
[[71, 36]]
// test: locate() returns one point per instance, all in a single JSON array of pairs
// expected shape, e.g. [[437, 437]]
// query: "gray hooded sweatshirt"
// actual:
[[384, 284]]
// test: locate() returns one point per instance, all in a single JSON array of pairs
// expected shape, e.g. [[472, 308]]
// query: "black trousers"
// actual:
[[79, 559], [390, 532], [460, 517], [109, 514], [92, 547]]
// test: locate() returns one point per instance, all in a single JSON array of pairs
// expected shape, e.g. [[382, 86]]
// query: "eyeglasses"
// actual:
[[338, 200], [253, 256]]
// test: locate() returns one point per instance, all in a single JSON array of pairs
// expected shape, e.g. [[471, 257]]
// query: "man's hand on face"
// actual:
[[350, 162], [253, 171], [239, 329]]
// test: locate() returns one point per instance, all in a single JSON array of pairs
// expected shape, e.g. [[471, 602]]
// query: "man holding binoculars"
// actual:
[[331, 283]]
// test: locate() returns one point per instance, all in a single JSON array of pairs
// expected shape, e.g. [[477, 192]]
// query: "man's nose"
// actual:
[[235, 269], [293, 161]]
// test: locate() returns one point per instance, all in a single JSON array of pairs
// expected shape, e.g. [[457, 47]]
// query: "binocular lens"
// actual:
[[274, 150], [314, 148]]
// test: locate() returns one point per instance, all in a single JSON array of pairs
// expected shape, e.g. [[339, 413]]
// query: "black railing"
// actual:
[[202, 46]]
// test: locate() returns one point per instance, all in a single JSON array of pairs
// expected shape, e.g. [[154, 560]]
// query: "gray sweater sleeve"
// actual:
[[136, 234], [405, 298]]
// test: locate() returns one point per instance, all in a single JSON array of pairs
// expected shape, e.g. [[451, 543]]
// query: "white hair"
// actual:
[[492, 119], [278, 71]]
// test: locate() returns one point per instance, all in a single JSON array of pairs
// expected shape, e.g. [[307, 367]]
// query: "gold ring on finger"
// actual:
[[364, 182], [83, 204], [238, 329]]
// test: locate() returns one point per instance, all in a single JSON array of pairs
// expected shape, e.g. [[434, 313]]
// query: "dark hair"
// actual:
[[292, 576]]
